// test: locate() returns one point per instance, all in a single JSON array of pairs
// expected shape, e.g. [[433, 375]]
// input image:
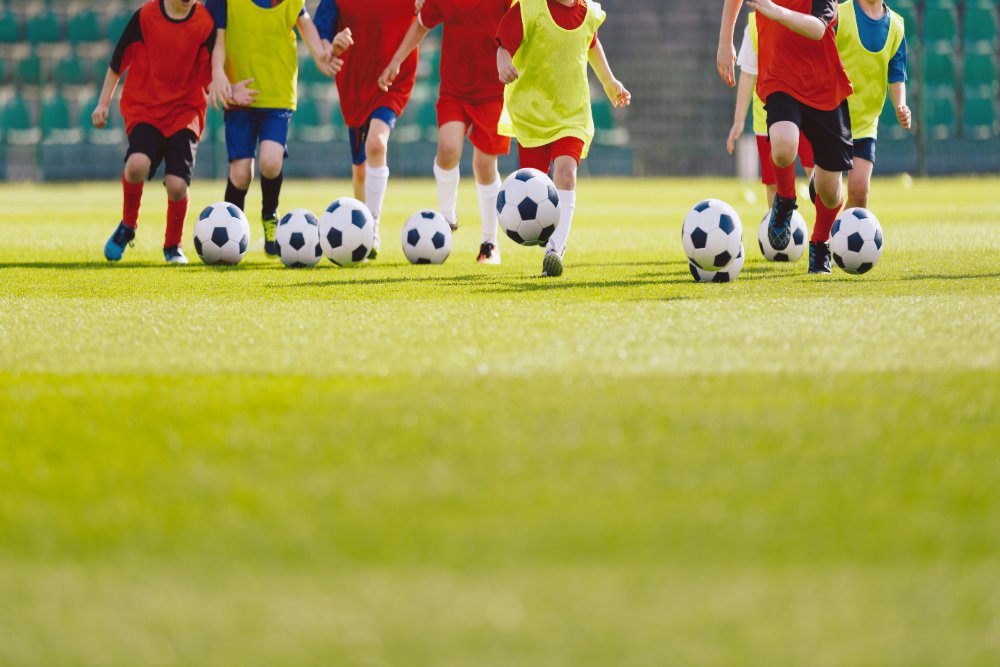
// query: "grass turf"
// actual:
[[465, 465]]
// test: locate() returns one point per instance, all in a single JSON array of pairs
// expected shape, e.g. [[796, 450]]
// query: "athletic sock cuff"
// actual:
[[442, 174], [377, 171]]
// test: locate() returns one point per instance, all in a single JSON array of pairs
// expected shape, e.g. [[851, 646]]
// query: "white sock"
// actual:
[[567, 204], [488, 209], [447, 182], [376, 180]]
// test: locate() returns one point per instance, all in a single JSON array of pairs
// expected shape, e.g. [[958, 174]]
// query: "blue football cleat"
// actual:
[[819, 257], [175, 255], [115, 247], [779, 230]]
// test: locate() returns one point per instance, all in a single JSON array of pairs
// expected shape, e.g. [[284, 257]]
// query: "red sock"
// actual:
[[132, 200], [176, 213], [824, 221], [786, 180]]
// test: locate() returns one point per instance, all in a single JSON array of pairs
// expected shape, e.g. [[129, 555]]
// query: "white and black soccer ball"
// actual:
[[856, 240], [528, 205], [726, 275], [712, 234], [796, 246], [346, 232], [222, 234], [426, 238], [297, 237]]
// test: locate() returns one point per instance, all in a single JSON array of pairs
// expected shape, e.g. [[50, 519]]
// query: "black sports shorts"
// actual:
[[829, 132], [178, 150]]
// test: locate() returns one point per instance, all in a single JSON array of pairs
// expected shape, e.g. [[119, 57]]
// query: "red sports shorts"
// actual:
[[481, 121], [541, 157]]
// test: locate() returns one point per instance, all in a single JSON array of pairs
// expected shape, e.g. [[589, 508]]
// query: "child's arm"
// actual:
[[614, 89], [807, 25], [220, 90], [320, 52], [100, 115], [411, 40], [743, 94], [725, 58], [897, 92]]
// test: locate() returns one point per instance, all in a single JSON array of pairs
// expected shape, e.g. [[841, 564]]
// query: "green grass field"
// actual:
[[465, 465]]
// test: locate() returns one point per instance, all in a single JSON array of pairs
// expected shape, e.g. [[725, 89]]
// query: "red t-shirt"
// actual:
[[510, 33], [468, 49], [378, 26], [169, 66], [810, 71]]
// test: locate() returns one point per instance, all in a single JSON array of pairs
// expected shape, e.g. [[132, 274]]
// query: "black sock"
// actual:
[[270, 191], [235, 196]]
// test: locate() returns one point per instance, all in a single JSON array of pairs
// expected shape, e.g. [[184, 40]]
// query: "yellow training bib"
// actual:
[[260, 45]]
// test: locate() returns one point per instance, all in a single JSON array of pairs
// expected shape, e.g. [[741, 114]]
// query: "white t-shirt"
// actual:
[[747, 59]]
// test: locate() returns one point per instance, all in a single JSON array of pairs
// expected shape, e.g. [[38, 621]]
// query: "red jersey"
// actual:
[[468, 48], [510, 32], [169, 64], [378, 26], [810, 71]]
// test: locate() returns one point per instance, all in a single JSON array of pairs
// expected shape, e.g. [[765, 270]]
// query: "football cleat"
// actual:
[[819, 257], [115, 247], [270, 225], [552, 264], [174, 255], [488, 253], [377, 245], [779, 231]]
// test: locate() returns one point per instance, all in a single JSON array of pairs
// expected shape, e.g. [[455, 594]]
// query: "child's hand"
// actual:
[[904, 116], [766, 8], [241, 94], [388, 75], [100, 116], [219, 92], [617, 93], [336, 64], [342, 41], [505, 66], [725, 62], [734, 133], [324, 62]]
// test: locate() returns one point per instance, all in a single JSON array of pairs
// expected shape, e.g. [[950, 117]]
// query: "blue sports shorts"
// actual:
[[359, 135], [865, 149], [245, 128]]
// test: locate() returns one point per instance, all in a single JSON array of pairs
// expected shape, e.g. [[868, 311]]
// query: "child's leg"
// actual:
[[271, 162], [177, 207], [784, 147], [376, 166], [484, 167], [451, 139], [179, 157], [133, 177], [564, 175], [240, 177], [828, 200], [766, 168], [242, 128], [859, 181]]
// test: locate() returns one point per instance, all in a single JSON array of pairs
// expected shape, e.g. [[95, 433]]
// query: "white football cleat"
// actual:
[[552, 264], [489, 253]]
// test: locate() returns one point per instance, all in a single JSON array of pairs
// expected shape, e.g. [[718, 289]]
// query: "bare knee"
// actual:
[[564, 174], [484, 167], [271, 167], [783, 153], [376, 148], [137, 168], [449, 153], [241, 173], [177, 188]]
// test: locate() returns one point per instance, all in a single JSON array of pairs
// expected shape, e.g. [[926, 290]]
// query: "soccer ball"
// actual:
[[726, 275], [712, 234], [795, 248], [297, 238], [856, 240], [528, 205], [222, 234], [347, 232], [426, 238]]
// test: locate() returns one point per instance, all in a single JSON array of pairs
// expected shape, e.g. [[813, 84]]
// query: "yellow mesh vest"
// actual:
[[759, 115], [260, 45], [551, 98], [868, 72]]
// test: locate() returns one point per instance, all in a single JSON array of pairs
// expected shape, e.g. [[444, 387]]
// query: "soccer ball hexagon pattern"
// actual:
[[795, 248], [346, 232], [528, 205], [726, 275], [712, 234], [297, 237], [426, 238], [856, 240], [221, 234]]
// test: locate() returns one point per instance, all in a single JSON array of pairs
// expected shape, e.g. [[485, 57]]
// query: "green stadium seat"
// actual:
[[888, 126], [29, 71], [84, 27], [909, 15], [980, 70], [941, 117], [310, 75], [10, 29], [55, 115], [979, 117], [116, 25], [307, 123], [4, 72], [44, 28], [16, 115], [940, 26], [72, 71], [939, 68], [603, 112], [112, 134], [980, 26]]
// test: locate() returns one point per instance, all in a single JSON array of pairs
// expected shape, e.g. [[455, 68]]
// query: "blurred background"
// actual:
[[53, 55]]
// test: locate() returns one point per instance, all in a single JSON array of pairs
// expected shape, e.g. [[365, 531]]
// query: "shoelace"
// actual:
[[121, 237], [486, 250]]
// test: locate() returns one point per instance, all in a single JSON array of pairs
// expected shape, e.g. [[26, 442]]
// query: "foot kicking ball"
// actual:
[[856, 240], [222, 234], [712, 234], [297, 238], [726, 275], [427, 238], [796, 246], [528, 205], [346, 232]]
